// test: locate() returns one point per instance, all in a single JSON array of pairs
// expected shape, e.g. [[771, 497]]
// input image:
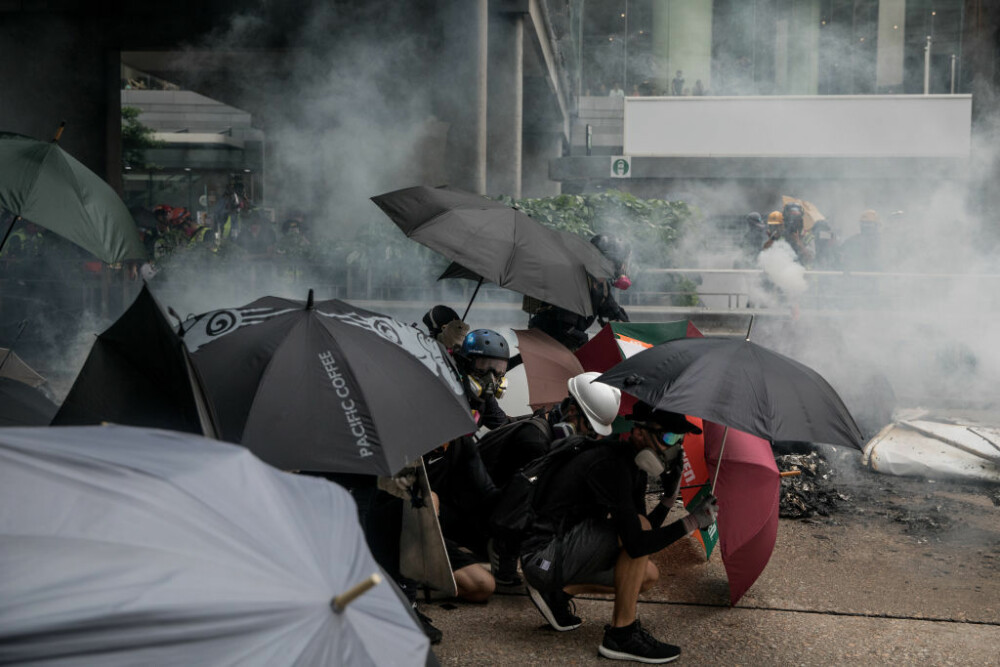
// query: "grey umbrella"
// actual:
[[499, 244], [128, 546]]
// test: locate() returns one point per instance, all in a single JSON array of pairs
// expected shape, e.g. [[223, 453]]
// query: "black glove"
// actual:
[[670, 481]]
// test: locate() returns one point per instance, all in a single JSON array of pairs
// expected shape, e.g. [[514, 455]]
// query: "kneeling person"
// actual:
[[592, 533]]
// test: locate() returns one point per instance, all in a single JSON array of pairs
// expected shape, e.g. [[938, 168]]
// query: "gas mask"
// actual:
[[654, 462], [487, 377], [486, 383], [623, 282], [648, 461]]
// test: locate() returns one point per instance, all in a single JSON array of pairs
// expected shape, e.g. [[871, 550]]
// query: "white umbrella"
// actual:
[[122, 545]]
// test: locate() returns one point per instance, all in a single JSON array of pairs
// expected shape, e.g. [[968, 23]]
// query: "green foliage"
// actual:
[[652, 228], [136, 138]]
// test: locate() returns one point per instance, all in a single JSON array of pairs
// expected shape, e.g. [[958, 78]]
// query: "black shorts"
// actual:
[[585, 554]]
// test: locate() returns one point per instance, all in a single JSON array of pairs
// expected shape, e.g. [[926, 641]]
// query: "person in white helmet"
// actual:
[[591, 531], [588, 409]]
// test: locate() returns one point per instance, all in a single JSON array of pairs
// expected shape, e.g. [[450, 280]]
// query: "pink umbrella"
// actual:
[[748, 488]]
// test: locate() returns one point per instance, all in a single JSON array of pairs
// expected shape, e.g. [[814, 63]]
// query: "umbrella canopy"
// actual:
[[326, 386], [499, 244], [620, 340], [749, 490], [132, 546], [24, 405], [13, 367], [548, 366], [44, 184], [739, 384], [810, 214], [138, 373]]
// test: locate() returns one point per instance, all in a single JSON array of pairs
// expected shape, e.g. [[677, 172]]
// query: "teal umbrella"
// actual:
[[44, 184]]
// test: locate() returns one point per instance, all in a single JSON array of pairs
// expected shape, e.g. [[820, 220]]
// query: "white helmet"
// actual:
[[599, 401]]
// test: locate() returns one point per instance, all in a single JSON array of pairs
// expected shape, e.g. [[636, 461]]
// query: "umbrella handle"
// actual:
[[341, 601]]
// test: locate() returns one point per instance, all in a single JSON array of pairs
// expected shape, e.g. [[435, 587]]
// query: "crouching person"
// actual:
[[591, 532]]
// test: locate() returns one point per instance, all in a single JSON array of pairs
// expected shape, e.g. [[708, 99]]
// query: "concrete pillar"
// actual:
[[682, 40], [54, 70], [802, 67], [891, 39], [506, 104], [482, 93]]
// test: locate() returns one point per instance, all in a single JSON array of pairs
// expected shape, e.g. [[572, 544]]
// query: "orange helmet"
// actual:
[[775, 218]]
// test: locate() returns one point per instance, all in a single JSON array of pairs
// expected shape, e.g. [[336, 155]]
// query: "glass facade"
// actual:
[[766, 47]]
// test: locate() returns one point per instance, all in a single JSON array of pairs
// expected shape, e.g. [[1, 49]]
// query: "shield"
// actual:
[[13, 367], [492, 242], [739, 384], [748, 488], [138, 373], [131, 546], [326, 386], [44, 184], [24, 405]]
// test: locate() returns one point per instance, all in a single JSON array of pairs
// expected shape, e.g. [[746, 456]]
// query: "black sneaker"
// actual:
[[503, 568], [432, 633], [633, 642], [555, 607]]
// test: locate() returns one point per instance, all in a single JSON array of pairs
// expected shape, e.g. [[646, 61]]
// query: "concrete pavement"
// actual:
[[908, 574]]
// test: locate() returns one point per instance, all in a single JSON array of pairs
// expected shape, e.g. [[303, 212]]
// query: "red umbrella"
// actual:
[[748, 488]]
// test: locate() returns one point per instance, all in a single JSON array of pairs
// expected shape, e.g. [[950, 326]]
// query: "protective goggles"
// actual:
[[488, 364], [657, 431]]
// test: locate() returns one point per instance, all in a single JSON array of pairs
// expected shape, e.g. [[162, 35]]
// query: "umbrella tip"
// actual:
[[309, 300], [62, 126]]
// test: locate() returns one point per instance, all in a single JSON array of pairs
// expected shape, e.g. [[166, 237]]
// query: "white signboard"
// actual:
[[807, 126], [621, 166]]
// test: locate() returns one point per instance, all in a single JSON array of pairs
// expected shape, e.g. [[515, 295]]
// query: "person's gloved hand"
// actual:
[[670, 481], [702, 515]]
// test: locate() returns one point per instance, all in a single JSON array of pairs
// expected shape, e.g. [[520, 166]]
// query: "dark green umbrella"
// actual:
[[44, 184]]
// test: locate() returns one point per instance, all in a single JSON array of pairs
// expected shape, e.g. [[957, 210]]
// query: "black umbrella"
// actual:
[[739, 384], [138, 373], [499, 244], [326, 386]]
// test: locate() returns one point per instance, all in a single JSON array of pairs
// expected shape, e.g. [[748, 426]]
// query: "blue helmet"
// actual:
[[485, 343]]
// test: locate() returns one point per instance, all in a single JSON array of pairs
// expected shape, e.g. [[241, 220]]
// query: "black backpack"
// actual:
[[515, 511]]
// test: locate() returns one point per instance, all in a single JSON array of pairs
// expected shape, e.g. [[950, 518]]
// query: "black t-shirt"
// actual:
[[603, 482]]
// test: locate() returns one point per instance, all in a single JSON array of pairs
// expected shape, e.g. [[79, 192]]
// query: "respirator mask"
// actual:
[[488, 377], [654, 462]]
